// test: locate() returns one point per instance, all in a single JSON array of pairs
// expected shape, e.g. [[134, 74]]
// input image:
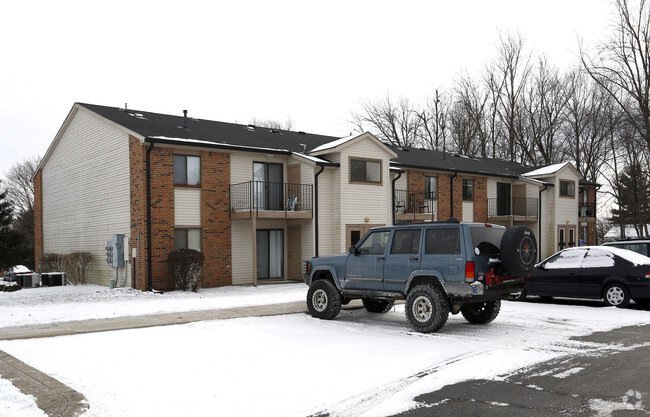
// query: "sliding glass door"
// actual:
[[270, 254], [267, 186]]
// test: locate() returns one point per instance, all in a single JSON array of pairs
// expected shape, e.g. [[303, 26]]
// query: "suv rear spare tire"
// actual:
[[518, 251]]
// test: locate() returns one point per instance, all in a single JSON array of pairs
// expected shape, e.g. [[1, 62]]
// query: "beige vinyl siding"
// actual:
[[241, 165], [187, 207], [86, 191], [328, 212], [401, 183], [363, 203], [242, 252]]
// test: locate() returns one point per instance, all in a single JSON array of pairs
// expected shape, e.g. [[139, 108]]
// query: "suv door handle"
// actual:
[[414, 258], [381, 259]]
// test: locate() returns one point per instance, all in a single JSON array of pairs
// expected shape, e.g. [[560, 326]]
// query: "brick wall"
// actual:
[[138, 196], [480, 199], [215, 219], [38, 218]]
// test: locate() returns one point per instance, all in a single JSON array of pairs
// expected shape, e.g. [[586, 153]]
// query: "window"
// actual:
[[187, 239], [431, 187], [187, 170], [567, 189], [365, 171], [442, 241], [375, 243], [406, 242], [468, 190]]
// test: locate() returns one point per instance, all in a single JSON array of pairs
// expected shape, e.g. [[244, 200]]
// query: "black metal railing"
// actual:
[[415, 202], [515, 206], [587, 210], [274, 196]]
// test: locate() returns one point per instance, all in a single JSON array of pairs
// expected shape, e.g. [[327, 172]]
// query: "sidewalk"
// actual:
[[59, 400]]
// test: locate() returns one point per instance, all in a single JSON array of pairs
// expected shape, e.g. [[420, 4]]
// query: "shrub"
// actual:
[[185, 267], [76, 266], [51, 262], [11, 288]]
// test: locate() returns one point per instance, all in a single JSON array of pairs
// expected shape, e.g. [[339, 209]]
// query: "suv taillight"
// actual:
[[470, 272]]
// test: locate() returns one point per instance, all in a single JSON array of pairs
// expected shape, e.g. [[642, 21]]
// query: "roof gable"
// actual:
[[342, 143]]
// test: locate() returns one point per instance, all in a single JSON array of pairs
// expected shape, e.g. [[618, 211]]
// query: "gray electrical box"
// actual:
[[115, 251]]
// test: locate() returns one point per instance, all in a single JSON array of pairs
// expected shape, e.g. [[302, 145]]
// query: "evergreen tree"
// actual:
[[633, 189], [9, 239]]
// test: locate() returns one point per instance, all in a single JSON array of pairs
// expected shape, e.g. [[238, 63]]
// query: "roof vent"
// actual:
[[277, 132], [250, 127], [300, 132]]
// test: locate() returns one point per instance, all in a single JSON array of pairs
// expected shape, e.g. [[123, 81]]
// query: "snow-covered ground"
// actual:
[[360, 364]]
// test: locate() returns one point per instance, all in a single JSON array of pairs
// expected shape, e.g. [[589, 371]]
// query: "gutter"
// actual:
[[399, 175], [322, 168]]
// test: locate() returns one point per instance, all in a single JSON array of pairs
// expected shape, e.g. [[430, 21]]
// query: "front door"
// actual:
[[270, 254], [267, 186], [566, 237]]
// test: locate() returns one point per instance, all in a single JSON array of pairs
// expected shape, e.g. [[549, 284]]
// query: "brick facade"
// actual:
[[215, 219], [215, 215], [38, 219]]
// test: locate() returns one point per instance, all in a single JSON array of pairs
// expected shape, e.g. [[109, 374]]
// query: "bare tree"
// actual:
[[272, 124], [433, 120], [467, 118], [508, 77], [622, 66], [19, 185], [394, 123]]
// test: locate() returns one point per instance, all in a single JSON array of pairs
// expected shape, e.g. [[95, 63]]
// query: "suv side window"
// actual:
[[375, 243], [406, 242], [442, 240]]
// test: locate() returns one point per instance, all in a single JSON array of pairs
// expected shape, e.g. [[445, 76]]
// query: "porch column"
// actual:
[[254, 227]]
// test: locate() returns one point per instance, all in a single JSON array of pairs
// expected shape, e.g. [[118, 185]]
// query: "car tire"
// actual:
[[323, 299], [521, 296], [427, 308], [616, 295], [518, 249], [377, 306], [482, 312]]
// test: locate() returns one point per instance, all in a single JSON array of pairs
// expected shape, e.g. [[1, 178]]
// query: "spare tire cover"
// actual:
[[518, 251]]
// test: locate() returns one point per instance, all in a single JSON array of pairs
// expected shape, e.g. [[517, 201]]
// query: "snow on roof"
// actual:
[[631, 256], [336, 143], [311, 158], [547, 170], [209, 143]]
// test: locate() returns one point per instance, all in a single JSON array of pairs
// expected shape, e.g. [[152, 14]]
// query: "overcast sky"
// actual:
[[234, 60]]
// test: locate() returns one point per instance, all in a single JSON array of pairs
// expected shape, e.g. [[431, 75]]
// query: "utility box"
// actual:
[[115, 251]]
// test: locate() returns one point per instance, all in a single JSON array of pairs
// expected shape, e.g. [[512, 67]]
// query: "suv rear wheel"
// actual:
[[481, 313], [377, 306], [427, 308], [323, 300]]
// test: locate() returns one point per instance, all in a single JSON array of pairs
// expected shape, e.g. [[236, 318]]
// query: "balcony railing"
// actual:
[[414, 205], [271, 199], [525, 208], [587, 210]]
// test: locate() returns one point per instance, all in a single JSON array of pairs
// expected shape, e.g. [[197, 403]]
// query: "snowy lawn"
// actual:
[[360, 364], [81, 302]]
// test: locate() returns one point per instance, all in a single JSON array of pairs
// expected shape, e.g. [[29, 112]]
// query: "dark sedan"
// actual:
[[599, 272]]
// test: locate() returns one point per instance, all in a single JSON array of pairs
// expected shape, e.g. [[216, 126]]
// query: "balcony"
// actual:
[[415, 206], [587, 210], [272, 200], [518, 209]]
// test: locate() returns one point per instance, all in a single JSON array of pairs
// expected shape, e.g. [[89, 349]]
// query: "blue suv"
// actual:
[[438, 268]]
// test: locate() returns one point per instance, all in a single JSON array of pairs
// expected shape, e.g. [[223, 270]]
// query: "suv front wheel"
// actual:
[[427, 308], [323, 300]]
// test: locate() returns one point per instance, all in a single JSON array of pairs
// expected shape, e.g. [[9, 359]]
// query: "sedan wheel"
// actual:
[[616, 295]]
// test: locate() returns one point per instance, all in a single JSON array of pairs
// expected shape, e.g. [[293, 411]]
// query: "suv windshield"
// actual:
[[487, 239]]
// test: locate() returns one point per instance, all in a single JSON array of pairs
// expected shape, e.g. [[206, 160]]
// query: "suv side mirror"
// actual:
[[352, 250]]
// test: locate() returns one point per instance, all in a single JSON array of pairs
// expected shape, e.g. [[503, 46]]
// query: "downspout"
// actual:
[[451, 194], [399, 175], [149, 267], [322, 168], [539, 223]]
